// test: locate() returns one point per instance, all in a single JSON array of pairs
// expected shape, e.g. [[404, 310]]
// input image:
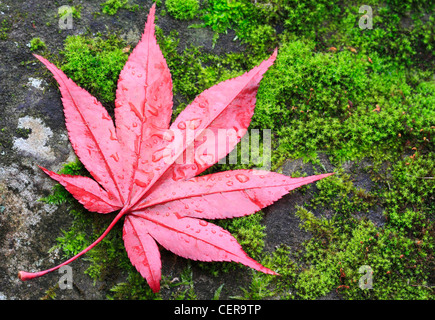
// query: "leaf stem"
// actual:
[[24, 276]]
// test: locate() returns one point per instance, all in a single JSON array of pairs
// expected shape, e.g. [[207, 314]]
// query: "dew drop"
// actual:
[[178, 174], [153, 111], [113, 135], [166, 135], [135, 111], [194, 123], [203, 223], [242, 178], [115, 156], [229, 183], [181, 125], [137, 145], [157, 156], [140, 183]]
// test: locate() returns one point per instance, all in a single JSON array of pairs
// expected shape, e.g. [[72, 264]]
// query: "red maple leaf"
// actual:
[[140, 166]]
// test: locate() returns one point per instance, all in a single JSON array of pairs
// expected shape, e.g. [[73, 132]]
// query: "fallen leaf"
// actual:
[[138, 167]]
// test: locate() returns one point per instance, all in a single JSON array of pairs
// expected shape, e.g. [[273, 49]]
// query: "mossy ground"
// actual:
[[352, 95]]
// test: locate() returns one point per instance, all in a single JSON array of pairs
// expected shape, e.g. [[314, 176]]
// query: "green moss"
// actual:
[[264, 286], [221, 15], [183, 9], [401, 32], [185, 288], [111, 7], [135, 288], [339, 103], [409, 197], [75, 11], [334, 260], [5, 27], [95, 63], [339, 193], [23, 133], [400, 253], [37, 44]]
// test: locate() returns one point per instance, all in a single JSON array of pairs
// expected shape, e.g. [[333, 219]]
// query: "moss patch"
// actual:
[[183, 9], [95, 63]]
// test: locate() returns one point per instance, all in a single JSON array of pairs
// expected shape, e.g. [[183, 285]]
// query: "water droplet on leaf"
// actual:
[[203, 223], [242, 178], [181, 125]]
